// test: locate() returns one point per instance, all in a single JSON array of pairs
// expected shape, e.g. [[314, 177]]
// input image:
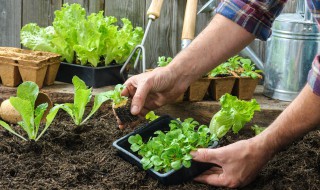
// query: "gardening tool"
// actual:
[[290, 51], [153, 13], [189, 23], [210, 7]]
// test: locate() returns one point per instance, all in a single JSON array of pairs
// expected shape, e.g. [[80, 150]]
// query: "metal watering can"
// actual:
[[290, 52]]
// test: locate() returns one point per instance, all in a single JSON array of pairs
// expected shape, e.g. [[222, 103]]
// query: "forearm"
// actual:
[[300, 117], [221, 39]]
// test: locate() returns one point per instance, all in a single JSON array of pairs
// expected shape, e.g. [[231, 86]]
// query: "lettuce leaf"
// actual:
[[234, 114], [92, 40]]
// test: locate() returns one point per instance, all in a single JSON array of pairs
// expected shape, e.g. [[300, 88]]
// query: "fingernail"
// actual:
[[134, 110], [193, 153]]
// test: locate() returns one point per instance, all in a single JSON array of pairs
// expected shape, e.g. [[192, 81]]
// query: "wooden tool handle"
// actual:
[[155, 8], [189, 23]]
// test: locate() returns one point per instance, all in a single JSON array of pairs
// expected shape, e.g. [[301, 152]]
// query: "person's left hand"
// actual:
[[239, 163]]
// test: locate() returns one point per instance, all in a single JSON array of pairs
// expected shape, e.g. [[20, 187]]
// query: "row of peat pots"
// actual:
[[214, 88], [17, 65], [43, 68]]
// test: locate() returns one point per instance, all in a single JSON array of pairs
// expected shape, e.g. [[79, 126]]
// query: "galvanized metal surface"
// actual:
[[290, 52]]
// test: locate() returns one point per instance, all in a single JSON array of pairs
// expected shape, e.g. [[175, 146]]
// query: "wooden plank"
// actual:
[[10, 22], [133, 10], [35, 11], [96, 6], [164, 38], [53, 6]]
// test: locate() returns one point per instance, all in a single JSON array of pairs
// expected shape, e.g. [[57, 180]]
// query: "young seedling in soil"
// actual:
[[163, 61], [82, 96], [24, 103], [121, 105], [151, 116], [257, 129], [171, 150], [248, 69]]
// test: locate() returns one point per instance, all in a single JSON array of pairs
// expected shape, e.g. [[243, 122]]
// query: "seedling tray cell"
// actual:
[[171, 177]]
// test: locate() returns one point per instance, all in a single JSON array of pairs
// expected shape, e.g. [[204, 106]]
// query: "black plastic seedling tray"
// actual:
[[93, 76], [171, 177]]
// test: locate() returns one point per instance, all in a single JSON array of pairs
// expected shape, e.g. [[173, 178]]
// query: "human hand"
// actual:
[[239, 163], [153, 89]]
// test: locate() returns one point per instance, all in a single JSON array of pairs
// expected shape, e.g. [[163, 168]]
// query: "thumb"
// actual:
[[206, 155]]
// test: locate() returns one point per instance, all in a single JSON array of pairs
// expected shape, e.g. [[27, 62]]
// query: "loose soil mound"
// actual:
[[66, 158]]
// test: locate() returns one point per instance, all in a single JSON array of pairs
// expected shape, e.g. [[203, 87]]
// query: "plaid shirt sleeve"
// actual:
[[314, 73], [256, 16]]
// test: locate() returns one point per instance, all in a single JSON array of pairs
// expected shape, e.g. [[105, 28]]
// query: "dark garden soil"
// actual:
[[85, 159]]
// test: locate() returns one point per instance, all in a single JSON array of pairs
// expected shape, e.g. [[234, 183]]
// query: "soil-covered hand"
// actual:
[[153, 89], [239, 163]]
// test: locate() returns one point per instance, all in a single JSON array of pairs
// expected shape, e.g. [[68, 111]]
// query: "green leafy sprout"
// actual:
[[163, 61], [115, 95], [24, 103], [171, 150], [82, 96], [234, 114], [89, 40], [151, 116], [257, 129], [249, 69]]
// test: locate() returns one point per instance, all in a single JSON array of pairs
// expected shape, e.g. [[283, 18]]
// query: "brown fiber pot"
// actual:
[[220, 86], [244, 87], [198, 89], [33, 74], [9, 75]]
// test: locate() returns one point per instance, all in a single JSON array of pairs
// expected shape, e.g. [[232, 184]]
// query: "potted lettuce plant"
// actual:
[[222, 79], [247, 80], [92, 47]]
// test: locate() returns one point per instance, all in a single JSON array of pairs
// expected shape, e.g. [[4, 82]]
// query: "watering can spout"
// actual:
[[209, 7]]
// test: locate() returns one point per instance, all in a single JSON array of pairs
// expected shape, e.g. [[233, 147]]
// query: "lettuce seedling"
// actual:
[[120, 104], [82, 96], [249, 69], [234, 114], [171, 150], [163, 61], [24, 103], [151, 116], [257, 129]]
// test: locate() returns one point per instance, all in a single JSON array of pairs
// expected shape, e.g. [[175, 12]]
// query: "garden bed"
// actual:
[[85, 159]]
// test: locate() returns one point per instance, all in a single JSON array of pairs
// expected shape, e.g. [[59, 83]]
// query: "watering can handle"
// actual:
[[155, 9], [189, 23]]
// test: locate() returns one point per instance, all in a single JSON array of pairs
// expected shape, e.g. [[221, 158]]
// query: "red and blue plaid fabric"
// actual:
[[257, 16]]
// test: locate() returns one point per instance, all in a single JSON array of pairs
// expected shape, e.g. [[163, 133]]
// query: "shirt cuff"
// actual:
[[314, 76], [255, 16]]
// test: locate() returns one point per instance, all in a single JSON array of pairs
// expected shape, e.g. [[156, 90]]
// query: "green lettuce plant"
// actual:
[[234, 114], [82, 96], [24, 103], [93, 40], [151, 116], [171, 150], [164, 61], [249, 69]]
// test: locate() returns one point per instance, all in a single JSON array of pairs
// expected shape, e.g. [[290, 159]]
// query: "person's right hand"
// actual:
[[153, 89]]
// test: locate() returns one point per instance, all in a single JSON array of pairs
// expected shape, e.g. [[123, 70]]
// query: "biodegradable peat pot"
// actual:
[[9, 75], [35, 74], [198, 89], [220, 86], [93, 76], [39, 67], [171, 177], [244, 87]]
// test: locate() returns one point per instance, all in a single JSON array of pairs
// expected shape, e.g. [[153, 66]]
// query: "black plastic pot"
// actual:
[[171, 177], [93, 76]]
